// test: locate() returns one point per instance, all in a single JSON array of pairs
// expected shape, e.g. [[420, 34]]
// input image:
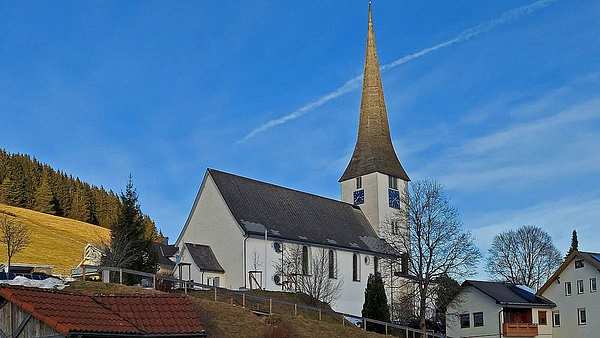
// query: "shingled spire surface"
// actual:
[[374, 151]]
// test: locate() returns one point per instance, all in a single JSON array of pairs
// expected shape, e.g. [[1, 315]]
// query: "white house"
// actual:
[[243, 225], [574, 290], [498, 309]]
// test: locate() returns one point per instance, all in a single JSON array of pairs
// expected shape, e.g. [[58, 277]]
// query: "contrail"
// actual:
[[354, 83]]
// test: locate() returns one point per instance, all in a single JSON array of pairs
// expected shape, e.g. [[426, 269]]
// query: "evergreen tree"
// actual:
[[376, 305], [44, 199], [80, 207], [13, 189], [129, 247], [574, 243]]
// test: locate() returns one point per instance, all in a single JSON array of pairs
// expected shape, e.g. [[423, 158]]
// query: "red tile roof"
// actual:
[[157, 314]]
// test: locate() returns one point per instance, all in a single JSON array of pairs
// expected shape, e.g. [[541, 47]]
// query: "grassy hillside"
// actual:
[[55, 240]]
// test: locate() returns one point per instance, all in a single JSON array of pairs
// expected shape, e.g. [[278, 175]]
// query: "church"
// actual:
[[239, 229]]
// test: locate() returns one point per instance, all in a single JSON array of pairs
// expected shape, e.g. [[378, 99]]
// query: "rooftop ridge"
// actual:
[[282, 187]]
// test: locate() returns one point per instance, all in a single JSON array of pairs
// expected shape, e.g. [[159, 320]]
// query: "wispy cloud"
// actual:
[[350, 85]]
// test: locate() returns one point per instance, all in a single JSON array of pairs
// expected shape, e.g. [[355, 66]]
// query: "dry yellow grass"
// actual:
[[55, 241]]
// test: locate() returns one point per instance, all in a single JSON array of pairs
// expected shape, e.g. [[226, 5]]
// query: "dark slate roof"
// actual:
[[296, 216], [509, 294], [204, 257], [164, 251]]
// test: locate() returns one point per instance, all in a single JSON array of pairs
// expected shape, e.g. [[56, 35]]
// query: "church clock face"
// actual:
[[394, 197], [359, 197]]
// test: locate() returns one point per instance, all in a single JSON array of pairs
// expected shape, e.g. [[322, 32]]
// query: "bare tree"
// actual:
[[523, 256], [310, 272], [429, 231], [14, 235]]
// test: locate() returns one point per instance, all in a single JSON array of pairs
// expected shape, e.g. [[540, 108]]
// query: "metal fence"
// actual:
[[260, 305]]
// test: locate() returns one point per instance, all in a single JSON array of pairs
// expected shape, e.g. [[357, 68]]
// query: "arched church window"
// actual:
[[332, 272], [355, 268], [305, 257]]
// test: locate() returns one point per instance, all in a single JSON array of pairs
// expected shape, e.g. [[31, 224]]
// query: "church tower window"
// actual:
[[393, 182], [359, 182]]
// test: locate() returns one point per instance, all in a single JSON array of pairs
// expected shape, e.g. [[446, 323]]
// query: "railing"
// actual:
[[261, 305], [519, 329]]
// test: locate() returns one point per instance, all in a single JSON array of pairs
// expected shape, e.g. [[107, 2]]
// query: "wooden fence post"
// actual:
[[295, 309], [320, 314], [270, 306], [364, 324], [120, 276], [215, 294], [83, 273], [154, 281], [244, 300], [386, 329]]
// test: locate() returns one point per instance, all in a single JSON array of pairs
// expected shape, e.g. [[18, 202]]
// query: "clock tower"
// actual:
[[374, 179]]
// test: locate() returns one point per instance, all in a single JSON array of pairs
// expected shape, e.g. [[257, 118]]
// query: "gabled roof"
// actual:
[[114, 316], [591, 257], [164, 251], [204, 257], [296, 216], [374, 151], [508, 294]]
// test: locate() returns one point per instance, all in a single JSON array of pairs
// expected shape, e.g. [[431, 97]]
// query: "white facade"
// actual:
[[212, 223], [473, 303], [376, 206], [570, 305]]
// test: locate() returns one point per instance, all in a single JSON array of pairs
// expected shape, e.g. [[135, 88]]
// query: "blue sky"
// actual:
[[508, 119]]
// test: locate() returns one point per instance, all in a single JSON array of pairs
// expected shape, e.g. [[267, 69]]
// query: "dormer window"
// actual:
[[359, 182], [393, 182]]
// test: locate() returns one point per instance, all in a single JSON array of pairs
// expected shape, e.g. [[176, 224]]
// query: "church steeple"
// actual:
[[374, 151]]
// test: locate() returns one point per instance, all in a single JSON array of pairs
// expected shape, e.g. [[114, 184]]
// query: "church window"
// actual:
[[393, 182], [305, 256], [355, 268], [359, 182], [331, 257]]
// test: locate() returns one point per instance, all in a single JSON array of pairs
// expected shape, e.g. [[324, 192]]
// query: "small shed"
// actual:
[[30, 312]]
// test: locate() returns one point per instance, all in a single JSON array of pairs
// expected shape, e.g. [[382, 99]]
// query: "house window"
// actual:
[[581, 316], [465, 321], [542, 320], [355, 268], [580, 286], [216, 282], [568, 290], [331, 264], [305, 260], [555, 318], [477, 319], [359, 182], [579, 264], [593, 285], [393, 182]]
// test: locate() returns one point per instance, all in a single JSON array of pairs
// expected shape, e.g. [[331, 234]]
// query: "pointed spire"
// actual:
[[374, 151]]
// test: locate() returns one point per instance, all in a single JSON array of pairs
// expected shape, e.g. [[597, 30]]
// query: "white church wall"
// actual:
[[351, 297], [204, 277], [376, 206], [371, 205], [211, 223]]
